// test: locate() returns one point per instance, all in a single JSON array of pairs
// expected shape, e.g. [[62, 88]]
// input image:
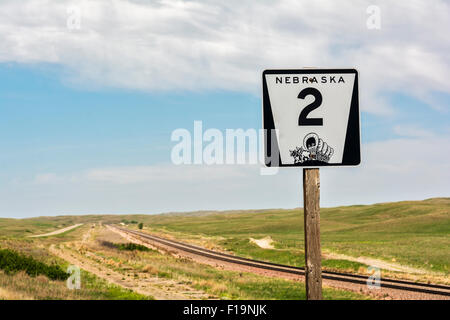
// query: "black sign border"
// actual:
[[352, 146]]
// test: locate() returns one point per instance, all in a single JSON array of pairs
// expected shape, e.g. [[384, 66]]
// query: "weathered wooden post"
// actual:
[[311, 208]]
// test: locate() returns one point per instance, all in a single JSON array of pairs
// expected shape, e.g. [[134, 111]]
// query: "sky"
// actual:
[[91, 91]]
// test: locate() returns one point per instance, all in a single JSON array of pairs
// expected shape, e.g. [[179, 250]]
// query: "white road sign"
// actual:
[[311, 117]]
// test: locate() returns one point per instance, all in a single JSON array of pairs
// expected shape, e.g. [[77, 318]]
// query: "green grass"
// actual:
[[125, 246], [338, 264], [11, 262], [287, 290], [27, 268], [414, 233], [241, 246], [23, 286], [131, 247], [98, 288]]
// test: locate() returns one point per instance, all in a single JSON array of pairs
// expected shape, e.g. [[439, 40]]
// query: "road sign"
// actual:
[[315, 114], [311, 119]]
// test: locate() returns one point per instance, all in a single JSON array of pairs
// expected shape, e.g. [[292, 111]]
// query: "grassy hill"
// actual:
[[412, 233]]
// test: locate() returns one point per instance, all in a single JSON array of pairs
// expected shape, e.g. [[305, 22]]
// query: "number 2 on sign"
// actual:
[[302, 119]]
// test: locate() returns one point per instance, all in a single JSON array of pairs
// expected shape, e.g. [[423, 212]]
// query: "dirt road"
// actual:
[[53, 233], [80, 254]]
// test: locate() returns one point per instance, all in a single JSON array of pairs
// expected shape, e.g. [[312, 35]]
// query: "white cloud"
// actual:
[[164, 173], [393, 170], [195, 45], [412, 131], [46, 178]]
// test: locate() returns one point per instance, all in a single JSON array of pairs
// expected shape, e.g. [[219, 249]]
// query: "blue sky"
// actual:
[[50, 125], [87, 114]]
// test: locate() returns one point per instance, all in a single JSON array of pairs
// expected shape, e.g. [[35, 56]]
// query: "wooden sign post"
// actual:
[[311, 207], [311, 120]]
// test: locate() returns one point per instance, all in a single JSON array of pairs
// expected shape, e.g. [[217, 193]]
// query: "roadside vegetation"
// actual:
[[21, 286], [125, 246], [125, 221], [12, 262], [29, 271]]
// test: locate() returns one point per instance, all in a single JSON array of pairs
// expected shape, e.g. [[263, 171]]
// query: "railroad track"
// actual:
[[435, 289]]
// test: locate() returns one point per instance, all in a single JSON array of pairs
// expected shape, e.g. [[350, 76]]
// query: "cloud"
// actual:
[[198, 45], [391, 170], [412, 131], [127, 175], [163, 173], [47, 178]]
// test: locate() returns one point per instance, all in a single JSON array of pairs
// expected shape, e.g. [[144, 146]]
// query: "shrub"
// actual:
[[140, 225], [129, 221], [11, 262], [125, 246], [131, 246], [108, 244]]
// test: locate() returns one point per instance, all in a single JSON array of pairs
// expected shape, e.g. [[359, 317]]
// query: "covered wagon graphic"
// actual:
[[314, 148]]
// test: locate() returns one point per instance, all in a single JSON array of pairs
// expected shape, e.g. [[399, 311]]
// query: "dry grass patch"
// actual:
[[150, 269]]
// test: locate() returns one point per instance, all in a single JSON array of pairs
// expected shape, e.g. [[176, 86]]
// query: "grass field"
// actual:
[[215, 282], [414, 233], [411, 233], [19, 285], [141, 264]]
